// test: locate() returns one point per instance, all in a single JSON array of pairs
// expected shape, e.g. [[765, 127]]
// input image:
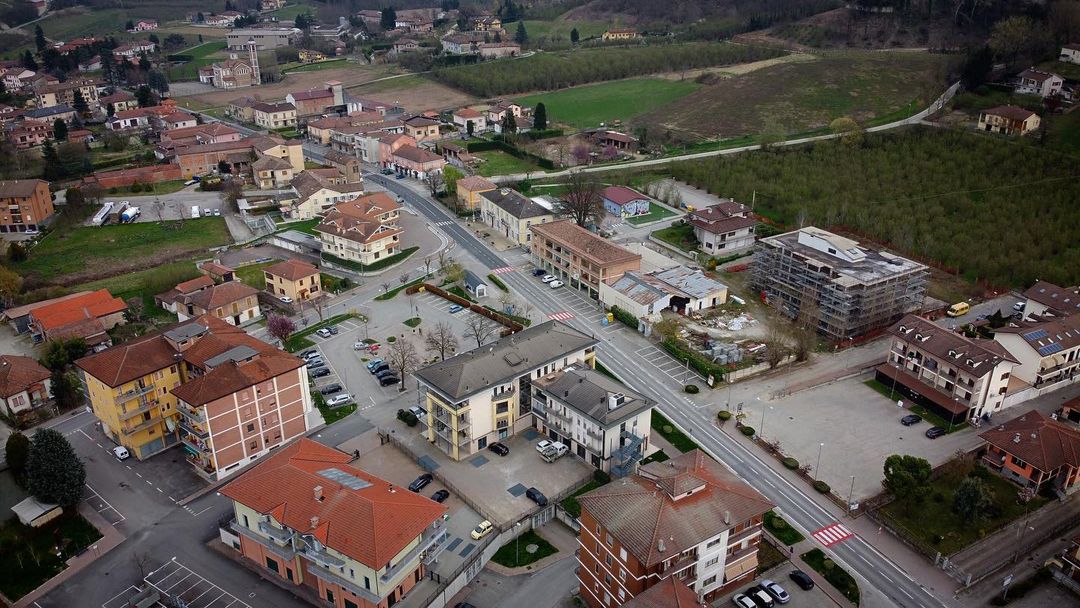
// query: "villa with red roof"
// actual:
[[621, 201], [309, 518], [88, 316]]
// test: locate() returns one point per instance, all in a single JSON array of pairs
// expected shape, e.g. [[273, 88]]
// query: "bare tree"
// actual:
[[454, 272], [436, 182], [142, 563], [479, 328], [386, 286], [581, 201], [442, 340], [319, 304], [507, 303], [404, 277], [403, 358], [444, 259], [135, 307], [427, 265], [776, 348]]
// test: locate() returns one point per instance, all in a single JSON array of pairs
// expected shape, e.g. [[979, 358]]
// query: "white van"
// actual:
[[121, 453], [194, 211]]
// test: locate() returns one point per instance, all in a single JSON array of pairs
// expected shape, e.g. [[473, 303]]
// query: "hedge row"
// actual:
[[697, 361], [625, 317], [497, 282]]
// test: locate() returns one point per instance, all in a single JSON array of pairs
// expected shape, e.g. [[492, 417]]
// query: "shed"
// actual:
[[34, 513], [476, 286]]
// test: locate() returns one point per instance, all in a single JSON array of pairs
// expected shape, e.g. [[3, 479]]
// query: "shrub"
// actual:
[[791, 463], [981, 472], [601, 477], [747, 430], [724, 415], [392, 339], [497, 282], [691, 389], [822, 487], [939, 497], [624, 317]]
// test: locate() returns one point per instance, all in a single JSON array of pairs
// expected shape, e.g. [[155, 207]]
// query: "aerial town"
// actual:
[[539, 303]]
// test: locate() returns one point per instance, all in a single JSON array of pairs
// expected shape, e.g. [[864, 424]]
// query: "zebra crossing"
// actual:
[[832, 534], [561, 316], [503, 270], [444, 223]]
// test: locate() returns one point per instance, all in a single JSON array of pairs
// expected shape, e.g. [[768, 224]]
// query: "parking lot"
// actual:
[[102, 506], [181, 586], [814, 598], [672, 368]]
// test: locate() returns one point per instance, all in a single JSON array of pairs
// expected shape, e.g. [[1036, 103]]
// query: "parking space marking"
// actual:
[[199, 593], [666, 364], [104, 507], [832, 534], [120, 600]]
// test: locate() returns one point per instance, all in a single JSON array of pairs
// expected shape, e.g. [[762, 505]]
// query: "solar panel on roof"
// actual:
[[1050, 349], [1038, 334], [349, 481]]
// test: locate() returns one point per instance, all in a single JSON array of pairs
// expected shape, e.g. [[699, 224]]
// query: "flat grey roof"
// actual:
[[186, 331], [876, 265]]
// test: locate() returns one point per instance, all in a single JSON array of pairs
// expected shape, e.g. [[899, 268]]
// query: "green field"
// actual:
[[390, 84], [201, 56], [590, 105], [497, 162], [1064, 132], [289, 12], [547, 34], [252, 274], [314, 67], [111, 249], [655, 214]]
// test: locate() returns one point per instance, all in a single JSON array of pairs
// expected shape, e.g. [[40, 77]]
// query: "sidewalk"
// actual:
[[556, 533]]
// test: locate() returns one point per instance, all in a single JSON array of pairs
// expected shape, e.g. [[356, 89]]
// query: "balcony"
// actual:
[[447, 433], [734, 539], [138, 392], [594, 434], [194, 429], [146, 424], [196, 447], [279, 535], [319, 556], [284, 552], [333, 578], [431, 543], [196, 414], [146, 406], [995, 460], [442, 416]]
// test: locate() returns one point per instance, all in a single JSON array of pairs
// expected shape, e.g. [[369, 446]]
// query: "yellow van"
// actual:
[[958, 309]]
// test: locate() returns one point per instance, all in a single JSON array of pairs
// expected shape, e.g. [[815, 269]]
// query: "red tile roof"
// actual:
[[220, 295], [670, 592], [468, 113], [1010, 112], [18, 373], [292, 270], [1037, 440], [93, 305], [372, 524], [473, 183], [583, 242], [620, 195]]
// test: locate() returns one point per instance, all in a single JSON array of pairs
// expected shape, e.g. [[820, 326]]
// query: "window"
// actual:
[[250, 427], [367, 583], [330, 596], [596, 567], [709, 581], [610, 540], [271, 564], [713, 561], [1019, 463], [607, 559], [622, 594], [246, 524], [622, 554], [349, 604], [607, 579], [254, 445], [622, 574]]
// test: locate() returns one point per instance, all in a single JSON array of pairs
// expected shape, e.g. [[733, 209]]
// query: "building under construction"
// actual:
[[835, 284]]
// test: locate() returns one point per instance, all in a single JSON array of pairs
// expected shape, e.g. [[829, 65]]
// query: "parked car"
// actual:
[[556, 284], [389, 380], [455, 308], [538, 272], [323, 333], [386, 171], [121, 453], [285, 299], [1019, 306], [742, 601], [373, 348], [464, 605], [420, 482], [543, 445], [762, 599], [206, 212], [333, 330], [373, 364], [330, 389], [400, 176], [499, 448], [547, 278], [322, 372], [911, 419], [802, 579], [776, 591], [440, 495], [316, 362], [307, 354], [417, 411], [536, 496], [481, 530], [337, 400], [935, 431], [384, 373], [359, 346], [217, 212], [378, 368]]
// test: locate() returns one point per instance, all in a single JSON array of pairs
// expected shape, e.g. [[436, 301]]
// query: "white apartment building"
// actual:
[[1047, 351]]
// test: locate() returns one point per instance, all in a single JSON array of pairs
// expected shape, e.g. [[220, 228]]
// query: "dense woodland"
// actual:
[[557, 71], [995, 210]]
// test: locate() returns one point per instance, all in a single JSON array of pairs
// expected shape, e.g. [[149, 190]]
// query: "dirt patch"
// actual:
[[737, 70], [415, 94], [350, 75]]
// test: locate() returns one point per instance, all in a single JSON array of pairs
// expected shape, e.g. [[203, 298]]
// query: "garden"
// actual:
[[837, 576], [516, 553]]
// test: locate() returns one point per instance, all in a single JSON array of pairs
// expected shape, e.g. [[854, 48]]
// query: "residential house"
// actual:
[[19, 316], [405, 45], [293, 279], [621, 201], [463, 116], [346, 164], [469, 190], [203, 159], [306, 518], [319, 130], [231, 301], [15, 78], [24, 204], [272, 116], [616, 140], [1038, 82], [1069, 560], [680, 289], [1047, 350], [240, 109], [73, 45], [133, 50], [498, 50], [210, 133], [233, 73], [63, 112], [64, 93], [1036, 452], [723, 229], [1070, 53], [416, 162], [511, 213], [1044, 299], [265, 38], [270, 5], [88, 317], [177, 120], [224, 395], [318, 190], [25, 385], [956, 377], [217, 271], [580, 258], [688, 518], [226, 19], [93, 64], [120, 101], [28, 133], [363, 230], [498, 112], [670, 592], [836, 284], [484, 395], [486, 23], [421, 129], [1009, 120], [271, 172], [599, 419], [619, 33], [145, 25], [372, 144], [317, 101]]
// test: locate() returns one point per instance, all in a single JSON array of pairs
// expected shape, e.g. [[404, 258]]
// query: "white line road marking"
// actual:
[[139, 475], [159, 490]]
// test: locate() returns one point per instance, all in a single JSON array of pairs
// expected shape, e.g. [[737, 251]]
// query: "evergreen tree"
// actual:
[[144, 62], [130, 25], [144, 96], [388, 18], [80, 104], [54, 472], [110, 110], [574, 36], [60, 130], [199, 19], [158, 82], [153, 38], [39, 38], [54, 169], [28, 61], [521, 36], [17, 450], [509, 123], [540, 117]]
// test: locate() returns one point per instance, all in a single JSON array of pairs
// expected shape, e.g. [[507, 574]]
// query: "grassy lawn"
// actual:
[[145, 284], [926, 414], [657, 456], [109, 249], [376, 265], [306, 226], [781, 529], [29, 556], [168, 187], [497, 162], [674, 436], [590, 105], [314, 67], [331, 414], [681, 237], [289, 12], [252, 274], [413, 322], [201, 56], [514, 555], [1064, 131], [656, 213], [334, 284], [938, 528], [837, 576], [545, 34], [768, 557], [1069, 71], [392, 84]]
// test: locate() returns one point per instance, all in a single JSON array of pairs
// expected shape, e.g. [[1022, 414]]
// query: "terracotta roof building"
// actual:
[[307, 517], [1047, 350], [416, 162], [87, 316], [293, 279], [231, 301], [362, 230], [1035, 451], [1048, 300], [688, 518], [469, 189], [1010, 120], [724, 228], [24, 204], [579, 257], [226, 396], [511, 213], [24, 385]]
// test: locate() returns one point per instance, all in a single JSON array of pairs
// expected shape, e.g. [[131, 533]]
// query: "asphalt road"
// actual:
[[856, 555]]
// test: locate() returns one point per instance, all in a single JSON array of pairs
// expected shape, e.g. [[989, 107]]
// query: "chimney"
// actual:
[[1016, 438], [727, 518], [318, 493], [314, 521], [660, 545], [390, 487]]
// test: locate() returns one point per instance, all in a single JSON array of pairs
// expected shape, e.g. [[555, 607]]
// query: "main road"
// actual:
[[616, 351]]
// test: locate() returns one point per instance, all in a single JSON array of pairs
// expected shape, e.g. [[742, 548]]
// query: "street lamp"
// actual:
[[818, 465], [851, 494], [517, 545]]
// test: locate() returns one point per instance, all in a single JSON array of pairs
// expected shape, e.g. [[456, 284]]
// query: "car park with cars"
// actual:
[[911, 419], [337, 400], [935, 431], [455, 308], [802, 579], [420, 482], [556, 284], [536, 496], [323, 333], [389, 380], [440, 495], [321, 372], [543, 445], [499, 448], [481, 530], [774, 590], [330, 389], [373, 364], [547, 278], [759, 597], [742, 601]]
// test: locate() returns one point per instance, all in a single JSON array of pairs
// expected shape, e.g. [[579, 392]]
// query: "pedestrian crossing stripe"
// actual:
[[832, 534], [561, 316], [503, 270], [444, 223]]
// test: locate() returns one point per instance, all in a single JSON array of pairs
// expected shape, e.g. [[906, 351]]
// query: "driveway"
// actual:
[[1003, 304]]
